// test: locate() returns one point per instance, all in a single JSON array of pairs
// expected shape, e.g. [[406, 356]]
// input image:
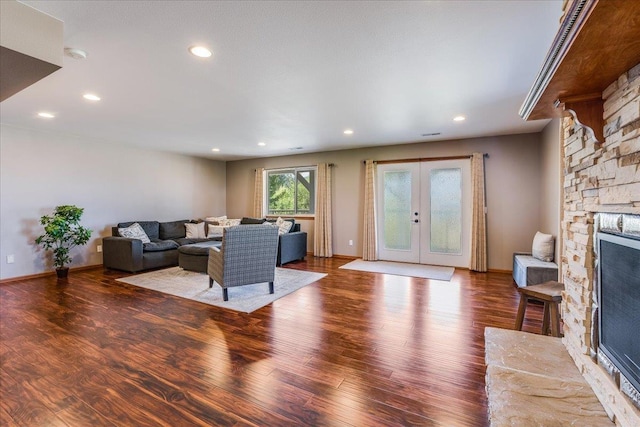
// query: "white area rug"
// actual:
[[402, 269], [195, 286]]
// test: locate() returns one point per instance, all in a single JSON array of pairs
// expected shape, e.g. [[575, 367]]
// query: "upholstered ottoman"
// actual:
[[528, 270], [194, 257]]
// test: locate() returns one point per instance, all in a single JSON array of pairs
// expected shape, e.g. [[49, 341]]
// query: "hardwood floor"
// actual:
[[353, 349]]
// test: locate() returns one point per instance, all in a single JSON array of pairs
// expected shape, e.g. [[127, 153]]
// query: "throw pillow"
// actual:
[[543, 247], [283, 226], [134, 231], [230, 222], [215, 231], [215, 220], [195, 231]]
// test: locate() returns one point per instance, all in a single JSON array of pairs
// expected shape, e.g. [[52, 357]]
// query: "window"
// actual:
[[291, 191]]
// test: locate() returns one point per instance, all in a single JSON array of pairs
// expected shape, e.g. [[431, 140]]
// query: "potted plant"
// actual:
[[62, 231]]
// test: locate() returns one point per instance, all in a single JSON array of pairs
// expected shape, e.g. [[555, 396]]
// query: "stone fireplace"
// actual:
[[598, 178]]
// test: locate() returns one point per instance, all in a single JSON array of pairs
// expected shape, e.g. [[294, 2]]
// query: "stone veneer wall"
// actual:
[[598, 178]]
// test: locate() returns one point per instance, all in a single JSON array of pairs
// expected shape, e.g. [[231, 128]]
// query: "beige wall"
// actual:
[[513, 171], [113, 183], [550, 187], [117, 183]]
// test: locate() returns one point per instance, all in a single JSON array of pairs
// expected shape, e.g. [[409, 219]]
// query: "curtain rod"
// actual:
[[297, 167], [423, 159]]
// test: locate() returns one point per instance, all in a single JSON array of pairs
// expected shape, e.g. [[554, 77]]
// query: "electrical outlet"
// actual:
[[10, 259], [99, 248], [350, 242]]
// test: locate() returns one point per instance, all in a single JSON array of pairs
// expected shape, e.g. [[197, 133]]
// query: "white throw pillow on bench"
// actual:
[[543, 247]]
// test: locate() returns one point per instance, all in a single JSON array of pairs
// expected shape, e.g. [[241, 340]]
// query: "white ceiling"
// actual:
[[291, 74]]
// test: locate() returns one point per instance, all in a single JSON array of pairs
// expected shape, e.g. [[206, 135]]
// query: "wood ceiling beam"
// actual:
[[597, 41]]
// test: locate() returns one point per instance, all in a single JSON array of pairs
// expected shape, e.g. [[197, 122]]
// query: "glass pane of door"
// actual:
[[397, 210], [446, 211]]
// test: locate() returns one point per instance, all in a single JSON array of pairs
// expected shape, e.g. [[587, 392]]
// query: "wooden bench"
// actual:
[[550, 294], [532, 381]]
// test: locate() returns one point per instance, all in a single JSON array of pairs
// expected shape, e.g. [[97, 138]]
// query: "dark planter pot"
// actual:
[[62, 273]]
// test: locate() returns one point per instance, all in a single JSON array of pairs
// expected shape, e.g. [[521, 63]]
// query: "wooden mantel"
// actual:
[[598, 41]]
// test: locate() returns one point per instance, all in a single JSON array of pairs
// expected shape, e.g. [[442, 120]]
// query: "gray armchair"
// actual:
[[247, 256]]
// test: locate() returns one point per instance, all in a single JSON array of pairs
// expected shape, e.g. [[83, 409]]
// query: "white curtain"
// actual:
[[322, 241], [370, 236], [478, 215], [258, 194]]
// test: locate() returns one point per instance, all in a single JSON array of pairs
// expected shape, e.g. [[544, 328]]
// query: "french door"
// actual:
[[424, 212]]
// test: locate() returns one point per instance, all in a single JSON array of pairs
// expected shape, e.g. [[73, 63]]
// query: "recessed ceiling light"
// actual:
[[262, 144], [75, 53], [200, 51], [348, 132], [215, 149], [91, 97], [46, 115], [459, 118]]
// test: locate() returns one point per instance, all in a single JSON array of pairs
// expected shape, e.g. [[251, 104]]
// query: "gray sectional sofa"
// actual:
[[292, 245], [122, 253]]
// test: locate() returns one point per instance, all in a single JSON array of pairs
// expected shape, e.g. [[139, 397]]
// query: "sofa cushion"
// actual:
[[173, 230], [134, 231], [543, 247], [187, 241], [196, 230], [201, 248], [151, 228], [159, 245], [248, 220]]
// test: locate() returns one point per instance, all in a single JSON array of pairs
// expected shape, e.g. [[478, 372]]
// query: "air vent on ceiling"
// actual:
[[431, 134], [296, 148]]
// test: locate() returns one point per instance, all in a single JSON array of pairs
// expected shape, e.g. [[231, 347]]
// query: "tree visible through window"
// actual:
[[291, 191]]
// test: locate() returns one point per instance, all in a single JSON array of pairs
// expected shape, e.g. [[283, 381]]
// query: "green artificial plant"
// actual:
[[62, 231]]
